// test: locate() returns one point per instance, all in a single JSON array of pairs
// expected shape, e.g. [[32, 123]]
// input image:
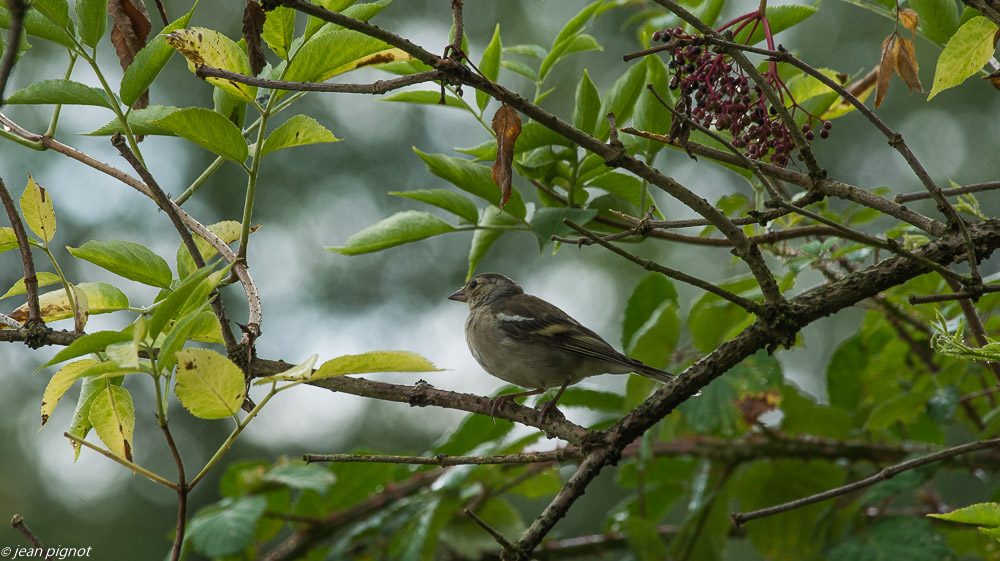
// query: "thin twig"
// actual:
[[446, 460], [952, 192], [16, 9], [741, 517], [932, 298], [162, 201], [17, 523], [976, 326], [130, 465], [497, 536], [746, 304], [890, 245], [375, 88], [182, 495], [27, 263]]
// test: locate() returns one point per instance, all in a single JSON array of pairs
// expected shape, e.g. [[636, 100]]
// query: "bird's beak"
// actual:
[[459, 295]]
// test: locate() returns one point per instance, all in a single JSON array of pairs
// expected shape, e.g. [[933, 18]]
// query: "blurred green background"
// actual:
[[318, 302]]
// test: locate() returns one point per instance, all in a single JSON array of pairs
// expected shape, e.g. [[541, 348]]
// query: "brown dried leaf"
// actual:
[[507, 125], [885, 68], [909, 19], [128, 34], [253, 25], [906, 64]]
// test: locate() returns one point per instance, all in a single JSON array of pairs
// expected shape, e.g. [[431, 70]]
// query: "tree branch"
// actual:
[[375, 88], [740, 518]]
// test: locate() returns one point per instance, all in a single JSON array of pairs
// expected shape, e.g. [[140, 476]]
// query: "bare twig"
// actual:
[[497, 536], [162, 201], [445, 460], [16, 9], [932, 298], [889, 244], [182, 495], [17, 523], [741, 517], [954, 191], [27, 263], [375, 88]]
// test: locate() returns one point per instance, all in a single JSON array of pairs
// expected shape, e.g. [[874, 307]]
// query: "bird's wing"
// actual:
[[529, 319]]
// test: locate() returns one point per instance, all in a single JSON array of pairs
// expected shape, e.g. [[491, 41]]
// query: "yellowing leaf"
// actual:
[[507, 126], [207, 47], [906, 64], [374, 361], [101, 298], [299, 372], [209, 385], [36, 205], [968, 50], [60, 383], [908, 18], [885, 68], [113, 417]]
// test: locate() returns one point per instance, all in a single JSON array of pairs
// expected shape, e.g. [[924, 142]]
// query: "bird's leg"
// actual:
[[500, 400], [552, 403]]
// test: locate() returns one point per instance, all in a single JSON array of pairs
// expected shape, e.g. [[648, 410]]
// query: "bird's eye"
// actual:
[[473, 284]]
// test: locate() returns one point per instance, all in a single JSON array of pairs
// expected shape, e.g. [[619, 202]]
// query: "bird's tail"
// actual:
[[653, 373]]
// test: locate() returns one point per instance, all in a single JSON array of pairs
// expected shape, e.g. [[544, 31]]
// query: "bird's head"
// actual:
[[485, 288]]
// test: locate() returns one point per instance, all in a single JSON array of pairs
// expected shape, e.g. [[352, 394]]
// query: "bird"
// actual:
[[528, 342]]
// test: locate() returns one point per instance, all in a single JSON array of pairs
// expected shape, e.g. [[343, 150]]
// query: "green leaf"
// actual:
[[843, 382], [711, 318], [90, 343], [36, 25], [313, 24], [207, 129], [60, 383], [534, 51], [181, 331], [547, 222], [202, 46], [968, 50], [655, 341], [621, 99], [298, 373], [982, 514], [650, 114], [622, 185], [226, 530], [895, 537], [228, 231], [652, 292], [374, 361], [779, 18], [139, 121], [44, 279], [901, 409], [279, 30], [189, 294], [299, 130], [566, 36], [126, 259], [89, 391], [519, 67], [36, 206], [455, 203], [149, 62], [400, 228], [489, 65], [209, 385], [92, 17], [492, 225], [472, 178], [56, 11], [301, 476], [113, 417], [60, 92], [8, 239], [426, 97], [644, 539], [331, 53], [588, 104], [938, 18]]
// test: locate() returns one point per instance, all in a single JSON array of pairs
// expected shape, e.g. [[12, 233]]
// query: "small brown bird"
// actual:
[[528, 342]]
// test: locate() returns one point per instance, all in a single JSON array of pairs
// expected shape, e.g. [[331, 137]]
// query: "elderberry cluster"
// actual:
[[720, 95]]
